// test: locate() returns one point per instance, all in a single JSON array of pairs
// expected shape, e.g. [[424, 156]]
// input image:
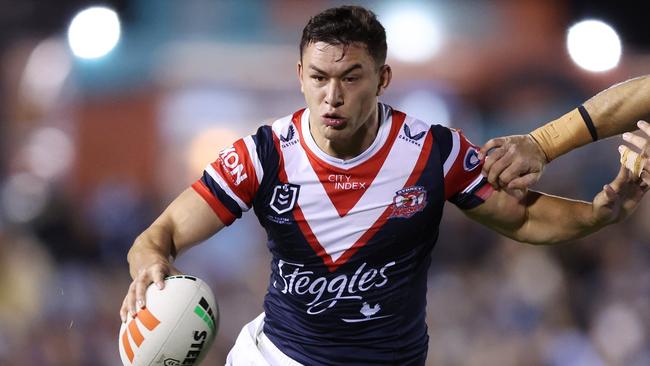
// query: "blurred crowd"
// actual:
[[80, 178]]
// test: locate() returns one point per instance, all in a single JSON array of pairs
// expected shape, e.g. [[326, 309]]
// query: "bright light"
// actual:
[[23, 197], [412, 34], [45, 73], [205, 146], [94, 32], [49, 153], [594, 45], [426, 106]]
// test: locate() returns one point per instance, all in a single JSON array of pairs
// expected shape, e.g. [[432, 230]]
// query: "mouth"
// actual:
[[333, 120]]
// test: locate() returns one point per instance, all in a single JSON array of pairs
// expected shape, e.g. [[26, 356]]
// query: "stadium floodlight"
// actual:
[[594, 45], [94, 32], [412, 33]]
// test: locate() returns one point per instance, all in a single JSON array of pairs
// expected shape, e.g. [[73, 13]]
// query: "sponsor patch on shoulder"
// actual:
[[471, 160]]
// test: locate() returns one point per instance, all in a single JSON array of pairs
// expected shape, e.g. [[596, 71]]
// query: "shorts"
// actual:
[[254, 348]]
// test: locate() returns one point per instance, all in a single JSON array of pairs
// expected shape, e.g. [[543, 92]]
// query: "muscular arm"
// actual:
[[517, 161], [187, 221], [617, 109], [539, 218], [536, 218]]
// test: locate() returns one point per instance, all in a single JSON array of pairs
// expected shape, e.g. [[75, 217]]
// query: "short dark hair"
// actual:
[[346, 25]]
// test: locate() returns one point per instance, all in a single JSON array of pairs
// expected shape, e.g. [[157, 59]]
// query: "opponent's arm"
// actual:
[[539, 218], [188, 220], [517, 161]]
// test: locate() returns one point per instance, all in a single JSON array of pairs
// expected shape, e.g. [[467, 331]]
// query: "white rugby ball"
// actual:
[[176, 327]]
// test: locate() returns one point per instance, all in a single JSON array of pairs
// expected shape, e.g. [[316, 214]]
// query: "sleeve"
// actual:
[[465, 186], [229, 184]]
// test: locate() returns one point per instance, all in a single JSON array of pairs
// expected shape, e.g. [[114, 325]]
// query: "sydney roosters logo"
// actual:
[[408, 201]]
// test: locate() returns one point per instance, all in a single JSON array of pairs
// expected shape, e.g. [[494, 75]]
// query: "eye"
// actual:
[[318, 78], [350, 79]]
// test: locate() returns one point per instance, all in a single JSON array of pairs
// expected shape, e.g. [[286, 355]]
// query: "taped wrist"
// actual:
[[566, 133]]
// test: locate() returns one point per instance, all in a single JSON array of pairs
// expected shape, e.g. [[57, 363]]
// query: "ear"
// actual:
[[385, 76], [299, 70]]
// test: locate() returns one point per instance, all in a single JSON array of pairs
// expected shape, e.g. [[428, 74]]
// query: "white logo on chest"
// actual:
[[327, 292], [345, 182]]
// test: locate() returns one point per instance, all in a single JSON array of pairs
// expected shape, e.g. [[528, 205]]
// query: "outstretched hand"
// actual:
[[513, 162], [619, 198], [154, 272]]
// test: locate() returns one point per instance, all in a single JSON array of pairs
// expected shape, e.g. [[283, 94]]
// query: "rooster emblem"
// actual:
[[368, 311], [368, 314]]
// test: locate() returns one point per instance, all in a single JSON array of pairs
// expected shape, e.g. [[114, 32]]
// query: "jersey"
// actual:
[[350, 239]]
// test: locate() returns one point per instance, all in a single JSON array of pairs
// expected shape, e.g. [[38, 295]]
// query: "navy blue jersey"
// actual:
[[350, 239]]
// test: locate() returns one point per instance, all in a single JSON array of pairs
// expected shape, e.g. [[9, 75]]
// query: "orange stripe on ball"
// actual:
[[147, 319], [135, 333], [127, 346]]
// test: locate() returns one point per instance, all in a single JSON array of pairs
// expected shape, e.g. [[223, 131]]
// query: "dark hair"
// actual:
[[346, 25]]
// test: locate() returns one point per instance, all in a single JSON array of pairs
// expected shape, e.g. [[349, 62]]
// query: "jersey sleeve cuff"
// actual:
[[219, 209]]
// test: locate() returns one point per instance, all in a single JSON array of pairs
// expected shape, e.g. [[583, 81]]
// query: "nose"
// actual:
[[334, 95]]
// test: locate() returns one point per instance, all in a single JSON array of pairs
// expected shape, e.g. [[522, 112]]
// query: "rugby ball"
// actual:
[[176, 327]]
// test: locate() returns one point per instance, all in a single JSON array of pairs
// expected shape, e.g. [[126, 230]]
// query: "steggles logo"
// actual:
[[327, 292], [148, 320]]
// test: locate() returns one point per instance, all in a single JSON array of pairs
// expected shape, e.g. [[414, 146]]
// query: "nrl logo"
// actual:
[[284, 197]]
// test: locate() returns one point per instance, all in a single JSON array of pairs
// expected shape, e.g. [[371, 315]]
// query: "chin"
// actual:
[[336, 134]]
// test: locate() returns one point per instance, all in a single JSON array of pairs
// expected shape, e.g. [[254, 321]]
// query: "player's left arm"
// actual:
[[539, 218]]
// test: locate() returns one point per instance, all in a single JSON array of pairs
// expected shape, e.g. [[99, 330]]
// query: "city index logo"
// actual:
[[230, 160], [148, 320]]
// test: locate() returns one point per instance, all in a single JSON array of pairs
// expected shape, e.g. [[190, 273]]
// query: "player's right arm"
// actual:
[[226, 189], [517, 161], [188, 220]]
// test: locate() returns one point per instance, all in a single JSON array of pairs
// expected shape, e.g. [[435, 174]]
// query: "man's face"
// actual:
[[341, 90]]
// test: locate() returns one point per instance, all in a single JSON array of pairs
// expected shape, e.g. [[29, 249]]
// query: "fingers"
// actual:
[[511, 172], [635, 140], [524, 181], [622, 177], [491, 144], [159, 279], [498, 166], [136, 296], [492, 158], [610, 193], [124, 310], [644, 126], [645, 176], [635, 162]]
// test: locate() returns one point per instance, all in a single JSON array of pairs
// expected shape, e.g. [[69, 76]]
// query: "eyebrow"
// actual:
[[346, 71]]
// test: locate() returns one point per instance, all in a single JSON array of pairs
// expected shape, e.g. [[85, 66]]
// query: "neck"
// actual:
[[348, 146]]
